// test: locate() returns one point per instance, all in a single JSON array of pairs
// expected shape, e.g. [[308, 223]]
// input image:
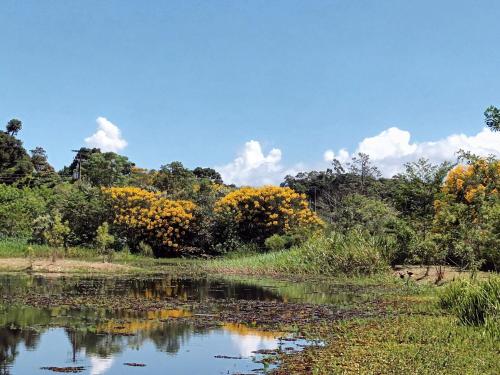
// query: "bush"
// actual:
[[261, 212], [295, 237], [474, 303], [467, 214], [277, 242], [18, 209], [162, 223], [84, 208]]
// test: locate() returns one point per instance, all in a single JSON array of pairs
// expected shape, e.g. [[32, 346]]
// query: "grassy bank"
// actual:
[[15, 257], [332, 255]]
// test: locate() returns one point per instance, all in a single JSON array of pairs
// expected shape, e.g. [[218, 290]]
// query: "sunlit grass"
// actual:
[[414, 337], [475, 303], [331, 255]]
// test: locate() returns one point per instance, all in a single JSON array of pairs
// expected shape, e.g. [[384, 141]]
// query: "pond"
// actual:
[[143, 325]]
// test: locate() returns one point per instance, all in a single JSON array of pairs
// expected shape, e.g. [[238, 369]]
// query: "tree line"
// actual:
[[429, 213]]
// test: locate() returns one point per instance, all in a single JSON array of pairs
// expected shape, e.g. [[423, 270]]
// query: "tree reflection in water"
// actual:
[[10, 338], [101, 339]]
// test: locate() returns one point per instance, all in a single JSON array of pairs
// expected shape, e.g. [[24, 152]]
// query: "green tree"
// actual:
[[492, 118], [208, 174], [84, 208], [15, 163], [53, 231], [361, 166], [175, 180], [106, 169], [14, 126], [39, 160], [368, 214], [414, 191], [18, 209], [44, 174], [327, 189], [104, 240]]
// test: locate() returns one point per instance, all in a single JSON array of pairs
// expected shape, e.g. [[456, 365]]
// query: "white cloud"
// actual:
[[248, 344], [99, 366], [389, 151], [108, 136], [252, 167], [390, 142], [392, 148], [342, 155]]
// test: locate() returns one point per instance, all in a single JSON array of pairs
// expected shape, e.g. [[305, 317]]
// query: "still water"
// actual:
[[126, 341]]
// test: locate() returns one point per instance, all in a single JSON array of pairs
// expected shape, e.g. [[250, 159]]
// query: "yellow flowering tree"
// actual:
[[148, 216], [259, 213], [467, 213]]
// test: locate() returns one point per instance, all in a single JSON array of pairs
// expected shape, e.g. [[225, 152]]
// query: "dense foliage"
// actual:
[[428, 214], [152, 218], [262, 212], [467, 219]]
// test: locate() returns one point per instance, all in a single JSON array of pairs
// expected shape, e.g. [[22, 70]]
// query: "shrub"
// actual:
[[277, 242], [474, 303], [56, 232], [162, 223], [467, 215], [84, 208], [104, 240], [261, 212], [18, 209]]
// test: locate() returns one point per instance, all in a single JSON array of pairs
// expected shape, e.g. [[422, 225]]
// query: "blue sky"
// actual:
[[197, 80]]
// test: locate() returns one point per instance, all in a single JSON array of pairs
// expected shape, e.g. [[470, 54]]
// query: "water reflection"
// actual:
[[175, 344], [186, 289], [152, 288], [102, 338]]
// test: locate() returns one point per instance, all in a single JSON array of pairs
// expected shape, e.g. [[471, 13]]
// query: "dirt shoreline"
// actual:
[[61, 266]]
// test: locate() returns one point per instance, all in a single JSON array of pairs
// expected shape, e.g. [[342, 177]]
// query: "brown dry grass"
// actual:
[[61, 266]]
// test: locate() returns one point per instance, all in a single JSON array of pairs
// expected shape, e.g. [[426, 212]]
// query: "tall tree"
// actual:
[[14, 126], [44, 173], [15, 163], [416, 189], [106, 169], [209, 174], [39, 160], [492, 118], [362, 167], [175, 180]]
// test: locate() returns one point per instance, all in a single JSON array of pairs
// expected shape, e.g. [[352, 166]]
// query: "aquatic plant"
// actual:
[[475, 303]]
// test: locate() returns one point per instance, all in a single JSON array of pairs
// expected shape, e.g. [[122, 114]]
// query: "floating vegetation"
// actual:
[[68, 370]]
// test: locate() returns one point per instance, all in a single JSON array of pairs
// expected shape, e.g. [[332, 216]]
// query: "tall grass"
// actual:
[[475, 303], [19, 248], [332, 254], [15, 248]]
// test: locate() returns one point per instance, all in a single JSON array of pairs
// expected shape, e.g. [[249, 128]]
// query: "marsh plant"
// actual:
[[104, 240], [475, 303]]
